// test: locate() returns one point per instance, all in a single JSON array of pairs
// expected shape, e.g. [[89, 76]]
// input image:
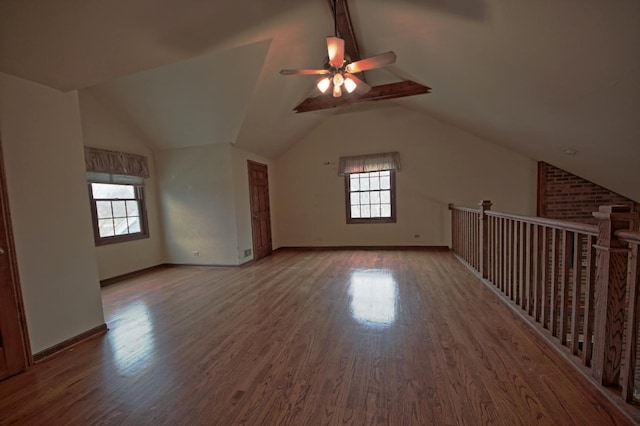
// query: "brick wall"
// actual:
[[562, 195]]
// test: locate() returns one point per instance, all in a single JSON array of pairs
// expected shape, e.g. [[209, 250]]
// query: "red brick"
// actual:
[[569, 197]]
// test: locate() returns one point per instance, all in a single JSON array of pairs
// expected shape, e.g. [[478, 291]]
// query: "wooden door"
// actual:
[[260, 214], [13, 346]]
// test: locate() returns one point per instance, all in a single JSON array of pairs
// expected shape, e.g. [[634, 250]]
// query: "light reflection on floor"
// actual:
[[374, 296], [132, 338]]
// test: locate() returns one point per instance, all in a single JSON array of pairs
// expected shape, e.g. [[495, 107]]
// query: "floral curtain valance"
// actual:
[[115, 163], [369, 163]]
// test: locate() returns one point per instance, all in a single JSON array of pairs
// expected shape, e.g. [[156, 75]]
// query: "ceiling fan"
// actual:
[[341, 65], [339, 70]]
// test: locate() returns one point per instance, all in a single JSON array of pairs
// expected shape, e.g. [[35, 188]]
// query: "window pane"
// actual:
[[364, 198], [104, 209], [385, 210], [385, 197], [132, 208], [121, 227], [365, 211], [364, 183], [385, 173], [385, 182], [107, 190], [374, 183], [134, 225], [355, 212], [355, 198], [375, 210], [119, 209], [355, 183], [375, 197], [106, 227]]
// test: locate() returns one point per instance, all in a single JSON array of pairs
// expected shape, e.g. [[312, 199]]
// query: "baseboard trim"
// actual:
[[325, 248], [73, 341], [118, 278], [206, 265]]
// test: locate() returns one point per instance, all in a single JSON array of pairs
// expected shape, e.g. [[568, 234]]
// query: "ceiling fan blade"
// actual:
[[361, 86], [335, 47], [304, 72], [377, 61]]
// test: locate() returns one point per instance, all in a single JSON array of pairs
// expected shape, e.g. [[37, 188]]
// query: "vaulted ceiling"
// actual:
[[538, 77]]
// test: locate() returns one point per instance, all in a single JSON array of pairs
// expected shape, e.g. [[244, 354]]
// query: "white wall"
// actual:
[[239, 159], [198, 207], [44, 160], [441, 164], [101, 129]]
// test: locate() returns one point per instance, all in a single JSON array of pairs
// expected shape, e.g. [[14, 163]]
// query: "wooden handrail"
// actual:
[[552, 223], [464, 209], [628, 236]]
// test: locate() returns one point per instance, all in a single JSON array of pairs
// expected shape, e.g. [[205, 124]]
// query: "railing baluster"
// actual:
[[487, 250], [546, 259], [505, 256], [474, 239], [521, 265], [589, 291], [528, 267], [470, 237], [514, 261], [500, 252], [553, 288], [578, 242], [565, 274], [535, 279], [629, 355], [509, 244], [496, 251]]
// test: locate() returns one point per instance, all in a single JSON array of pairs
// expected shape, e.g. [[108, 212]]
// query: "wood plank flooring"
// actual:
[[308, 338]]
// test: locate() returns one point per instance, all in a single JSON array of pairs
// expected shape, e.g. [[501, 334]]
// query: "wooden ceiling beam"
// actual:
[[377, 93], [345, 29]]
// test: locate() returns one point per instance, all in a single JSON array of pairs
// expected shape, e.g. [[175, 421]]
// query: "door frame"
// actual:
[[5, 217]]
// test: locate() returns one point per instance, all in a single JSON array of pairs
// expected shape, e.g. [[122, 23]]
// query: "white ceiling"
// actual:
[[536, 76]]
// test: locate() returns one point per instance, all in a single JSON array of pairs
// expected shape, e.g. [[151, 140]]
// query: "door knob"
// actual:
[[1, 250]]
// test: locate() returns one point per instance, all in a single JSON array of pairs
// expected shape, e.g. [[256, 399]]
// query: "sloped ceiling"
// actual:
[[536, 76], [189, 103]]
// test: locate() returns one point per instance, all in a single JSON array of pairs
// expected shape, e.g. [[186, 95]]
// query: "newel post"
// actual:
[[610, 289], [485, 205]]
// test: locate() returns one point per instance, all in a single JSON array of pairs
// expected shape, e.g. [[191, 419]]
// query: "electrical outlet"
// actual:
[[416, 235], [247, 253], [196, 253]]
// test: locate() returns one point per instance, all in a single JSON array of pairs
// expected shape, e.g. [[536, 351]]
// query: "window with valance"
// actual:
[[370, 187], [116, 191]]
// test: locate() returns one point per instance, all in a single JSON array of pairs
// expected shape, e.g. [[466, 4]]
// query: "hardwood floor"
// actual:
[[306, 338]]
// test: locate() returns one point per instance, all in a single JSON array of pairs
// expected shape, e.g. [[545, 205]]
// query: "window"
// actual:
[[369, 182], [370, 197], [118, 212], [116, 189]]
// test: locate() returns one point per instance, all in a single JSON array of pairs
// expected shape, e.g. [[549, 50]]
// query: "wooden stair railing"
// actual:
[[578, 282]]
